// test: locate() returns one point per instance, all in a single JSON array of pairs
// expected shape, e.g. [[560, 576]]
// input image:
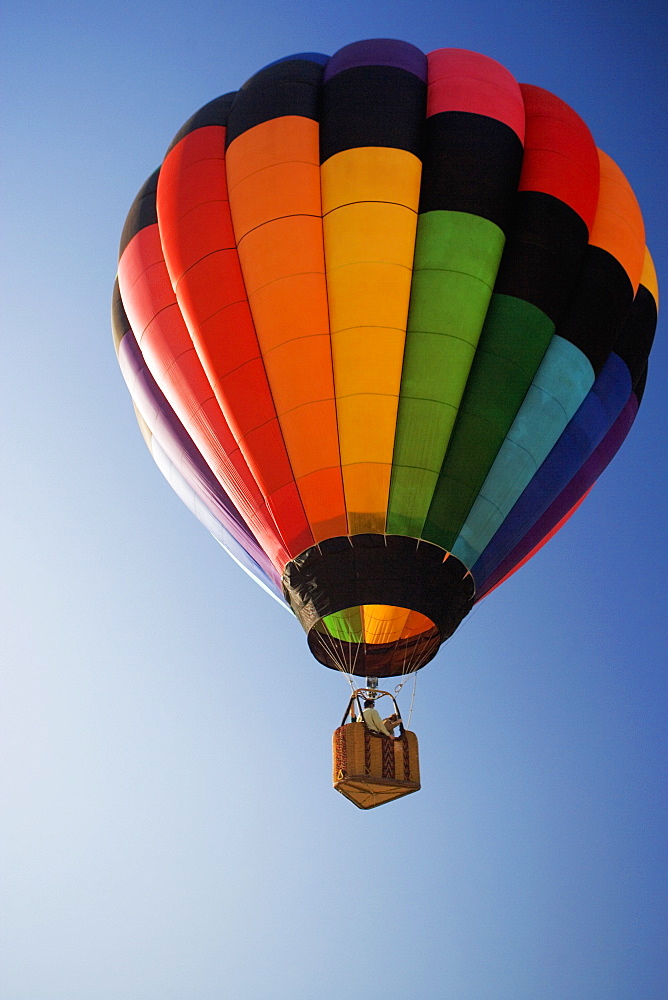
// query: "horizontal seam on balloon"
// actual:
[[417, 468], [429, 399], [356, 263], [351, 395], [170, 305], [270, 166], [553, 151], [367, 326], [366, 461], [147, 267], [292, 340], [439, 333], [501, 84], [452, 270], [609, 210], [308, 402], [549, 395], [369, 201], [283, 277], [199, 260], [279, 218]]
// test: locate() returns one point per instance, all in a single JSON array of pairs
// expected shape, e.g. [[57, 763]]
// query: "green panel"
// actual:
[[346, 625], [456, 259], [513, 341]]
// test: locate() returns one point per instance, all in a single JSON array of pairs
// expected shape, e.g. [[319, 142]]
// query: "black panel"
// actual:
[[545, 247], [373, 106], [389, 659], [345, 572], [601, 302], [639, 387], [120, 324], [143, 211], [472, 163], [635, 341], [216, 112], [291, 87]]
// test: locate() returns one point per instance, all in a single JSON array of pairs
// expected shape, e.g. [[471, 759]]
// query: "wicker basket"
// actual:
[[370, 769]]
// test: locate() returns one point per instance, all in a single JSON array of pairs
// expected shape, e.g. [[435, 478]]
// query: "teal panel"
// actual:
[[561, 384], [457, 256], [512, 344]]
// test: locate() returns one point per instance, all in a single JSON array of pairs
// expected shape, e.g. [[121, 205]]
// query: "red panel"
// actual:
[[200, 250], [169, 353], [563, 160], [459, 80]]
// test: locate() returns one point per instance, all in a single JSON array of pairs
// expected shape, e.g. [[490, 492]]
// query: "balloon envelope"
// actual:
[[385, 318]]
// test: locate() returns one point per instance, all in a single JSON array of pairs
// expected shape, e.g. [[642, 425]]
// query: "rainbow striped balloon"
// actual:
[[385, 318]]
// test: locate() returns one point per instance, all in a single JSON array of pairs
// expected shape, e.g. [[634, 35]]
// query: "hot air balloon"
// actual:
[[385, 319]]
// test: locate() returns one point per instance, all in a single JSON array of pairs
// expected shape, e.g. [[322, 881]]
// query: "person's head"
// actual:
[[368, 703]]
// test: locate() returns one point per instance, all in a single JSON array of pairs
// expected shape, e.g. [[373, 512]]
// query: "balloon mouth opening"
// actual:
[[377, 605], [375, 640]]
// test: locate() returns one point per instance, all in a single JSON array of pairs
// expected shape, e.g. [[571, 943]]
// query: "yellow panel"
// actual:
[[366, 428], [370, 230], [371, 173], [368, 359], [649, 279], [365, 485], [370, 198], [369, 294]]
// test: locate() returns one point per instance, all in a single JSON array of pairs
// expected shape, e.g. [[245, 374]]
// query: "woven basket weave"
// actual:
[[370, 769]]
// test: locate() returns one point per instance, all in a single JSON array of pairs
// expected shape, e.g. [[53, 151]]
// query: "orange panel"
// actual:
[[293, 371], [280, 249], [320, 492], [618, 227], [383, 623], [291, 308], [290, 137], [273, 193], [313, 439], [415, 624], [274, 185]]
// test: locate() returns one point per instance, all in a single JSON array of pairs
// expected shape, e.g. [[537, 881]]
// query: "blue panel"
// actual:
[[586, 430], [562, 381]]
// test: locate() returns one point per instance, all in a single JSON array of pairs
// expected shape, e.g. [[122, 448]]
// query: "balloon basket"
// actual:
[[370, 769]]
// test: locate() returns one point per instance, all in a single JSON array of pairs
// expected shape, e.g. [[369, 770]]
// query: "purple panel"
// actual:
[[179, 448], [569, 496], [378, 52]]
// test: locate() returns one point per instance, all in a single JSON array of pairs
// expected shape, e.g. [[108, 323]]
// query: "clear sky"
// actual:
[[168, 828]]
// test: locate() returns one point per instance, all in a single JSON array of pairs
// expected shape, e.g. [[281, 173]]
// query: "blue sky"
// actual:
[[168, 824]]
